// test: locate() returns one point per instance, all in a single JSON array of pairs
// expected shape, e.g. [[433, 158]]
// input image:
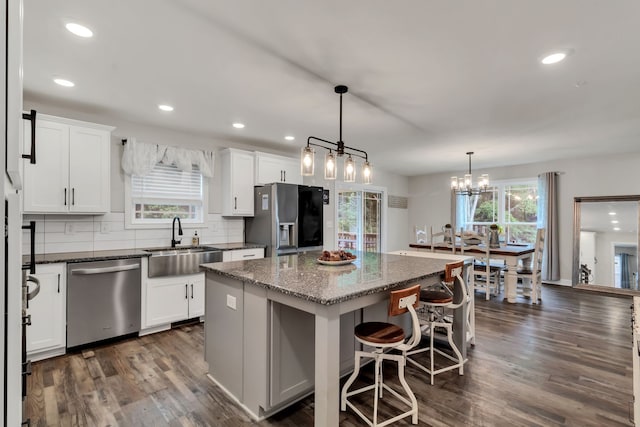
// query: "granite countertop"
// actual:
[[85, 256], [53, 258], [301, 275]]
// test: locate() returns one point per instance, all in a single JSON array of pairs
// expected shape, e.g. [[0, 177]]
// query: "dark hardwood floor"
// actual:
[[565, 362]]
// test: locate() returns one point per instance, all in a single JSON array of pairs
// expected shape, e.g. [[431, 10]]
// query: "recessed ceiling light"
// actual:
[[79, 30], [612, 213], [554, 58], [615, 221], [616, 228], [238, 125], [65, 83], [165, 107], [289, 138]]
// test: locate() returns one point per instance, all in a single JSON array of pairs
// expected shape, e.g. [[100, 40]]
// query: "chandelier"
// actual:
[[464, 186], [330, 161]]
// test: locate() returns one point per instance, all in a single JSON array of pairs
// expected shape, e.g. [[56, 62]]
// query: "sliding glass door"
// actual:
[[359, 220]]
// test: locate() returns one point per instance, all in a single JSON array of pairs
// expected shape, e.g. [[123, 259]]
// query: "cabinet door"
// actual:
[[48, 310], [242, 183], [291, 171], [167, 300], [196, 296], [89, 170], [268, 169], [46, 182]]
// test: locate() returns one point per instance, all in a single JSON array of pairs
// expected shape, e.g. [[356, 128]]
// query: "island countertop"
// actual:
[[303, 277]]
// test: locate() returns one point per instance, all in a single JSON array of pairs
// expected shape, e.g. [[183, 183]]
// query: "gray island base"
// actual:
[[280, 328]]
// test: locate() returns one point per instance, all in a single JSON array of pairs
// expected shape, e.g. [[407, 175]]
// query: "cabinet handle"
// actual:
[[285, 175], [65, 197], [32, 117], [32, 250], [186, 291], [192, 291], [235, 203], [248, 255], [73, 196], [281, 179], [58, 282]]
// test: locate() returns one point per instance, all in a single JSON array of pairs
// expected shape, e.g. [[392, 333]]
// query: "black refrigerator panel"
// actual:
[[310, 219]]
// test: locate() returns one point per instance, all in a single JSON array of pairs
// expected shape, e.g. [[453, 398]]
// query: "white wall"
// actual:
[[617, 174]]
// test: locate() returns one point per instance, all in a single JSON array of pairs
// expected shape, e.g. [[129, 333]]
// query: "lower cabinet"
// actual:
[[46, 336], [173, 298]]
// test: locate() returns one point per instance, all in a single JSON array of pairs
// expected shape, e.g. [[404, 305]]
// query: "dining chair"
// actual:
[[487, 274], [531, 275], [382, 337], [436, 303], [442, 239]]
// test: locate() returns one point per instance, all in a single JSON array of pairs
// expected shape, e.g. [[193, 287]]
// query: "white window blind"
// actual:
[[167, 192]]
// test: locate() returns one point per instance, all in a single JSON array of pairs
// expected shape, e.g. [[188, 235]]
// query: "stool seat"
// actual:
[[379, 333], [435, 297]]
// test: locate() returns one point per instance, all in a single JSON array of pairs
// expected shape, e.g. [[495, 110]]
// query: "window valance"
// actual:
[[140, 158]]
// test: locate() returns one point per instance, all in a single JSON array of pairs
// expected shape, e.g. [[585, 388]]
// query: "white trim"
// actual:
[[341, 186]]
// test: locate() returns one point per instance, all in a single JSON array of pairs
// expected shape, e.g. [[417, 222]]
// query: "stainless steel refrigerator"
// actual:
[[287, 218]]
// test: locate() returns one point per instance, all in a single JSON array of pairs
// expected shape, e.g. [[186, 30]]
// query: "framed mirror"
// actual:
[[605, 242]]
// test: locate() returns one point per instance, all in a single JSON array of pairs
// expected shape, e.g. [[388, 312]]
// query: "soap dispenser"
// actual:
[[195, 241]]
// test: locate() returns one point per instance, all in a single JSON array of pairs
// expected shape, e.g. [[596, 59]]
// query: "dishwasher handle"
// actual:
[[102, 270]]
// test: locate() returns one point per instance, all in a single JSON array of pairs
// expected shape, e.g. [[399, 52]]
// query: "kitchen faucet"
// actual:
[[173, 232]]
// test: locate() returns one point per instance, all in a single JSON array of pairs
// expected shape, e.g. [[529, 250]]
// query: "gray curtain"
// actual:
[[548, 219], [625, 271]]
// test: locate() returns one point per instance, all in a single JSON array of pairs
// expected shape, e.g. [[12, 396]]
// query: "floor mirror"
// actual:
[[605, 242]]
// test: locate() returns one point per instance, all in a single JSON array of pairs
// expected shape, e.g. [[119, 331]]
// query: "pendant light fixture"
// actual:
[[330, 160], [464, 185]]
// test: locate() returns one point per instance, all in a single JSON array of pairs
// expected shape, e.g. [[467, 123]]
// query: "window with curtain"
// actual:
[[167, 192], [511, 204]]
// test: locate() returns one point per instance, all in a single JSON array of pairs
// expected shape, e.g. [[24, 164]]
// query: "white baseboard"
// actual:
[[561, 282]]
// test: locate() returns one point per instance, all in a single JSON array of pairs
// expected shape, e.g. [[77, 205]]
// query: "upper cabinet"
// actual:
[[72, 170], [237, 182], [272, 168]]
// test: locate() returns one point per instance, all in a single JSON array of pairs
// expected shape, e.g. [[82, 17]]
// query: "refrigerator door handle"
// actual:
[[32, 156]]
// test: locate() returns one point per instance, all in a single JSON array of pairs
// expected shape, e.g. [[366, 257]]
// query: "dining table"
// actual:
[[512, 254]]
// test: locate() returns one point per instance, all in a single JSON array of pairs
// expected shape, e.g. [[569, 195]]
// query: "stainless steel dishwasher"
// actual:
[[103, 300]]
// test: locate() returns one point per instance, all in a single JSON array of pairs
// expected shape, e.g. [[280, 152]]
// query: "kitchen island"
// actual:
[[277, 329]]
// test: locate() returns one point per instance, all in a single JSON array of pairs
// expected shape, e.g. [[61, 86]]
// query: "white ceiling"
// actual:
[[428, 79], [594, 216]]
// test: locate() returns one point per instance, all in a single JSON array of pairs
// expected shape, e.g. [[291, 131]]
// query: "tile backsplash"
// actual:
[[80, 233]]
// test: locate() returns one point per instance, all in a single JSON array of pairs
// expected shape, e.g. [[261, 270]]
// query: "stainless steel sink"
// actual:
[[182, 260]]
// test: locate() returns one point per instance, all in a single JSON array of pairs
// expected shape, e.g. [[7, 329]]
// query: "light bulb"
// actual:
[[307, 160]]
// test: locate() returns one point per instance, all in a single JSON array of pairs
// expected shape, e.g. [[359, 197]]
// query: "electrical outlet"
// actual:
[[214, 226], [69, 228], [231, 302], [104, 227], [329, 224]]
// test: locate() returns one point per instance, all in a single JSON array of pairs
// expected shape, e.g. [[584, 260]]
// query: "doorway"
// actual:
[[359, 218]]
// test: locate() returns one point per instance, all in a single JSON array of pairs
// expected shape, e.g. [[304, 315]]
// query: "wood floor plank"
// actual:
[[565, 362]]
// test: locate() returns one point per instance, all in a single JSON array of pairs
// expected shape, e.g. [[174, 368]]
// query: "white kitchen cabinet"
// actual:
[[46, 336], [237, 182], [173, 298], [71, 174], [242, 254], [272, 168]]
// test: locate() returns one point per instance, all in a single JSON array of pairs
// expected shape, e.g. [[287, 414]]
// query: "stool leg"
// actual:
[[405, 385], [352, 378], [432, 331], [375, 394], [455, 350]]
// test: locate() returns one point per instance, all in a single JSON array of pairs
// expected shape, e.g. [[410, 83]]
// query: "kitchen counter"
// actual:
[[301, 275], [280, 328], [86, 256], [53, 258]]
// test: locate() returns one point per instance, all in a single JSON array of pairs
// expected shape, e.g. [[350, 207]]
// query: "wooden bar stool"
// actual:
[[435, 302], [384, 336]]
